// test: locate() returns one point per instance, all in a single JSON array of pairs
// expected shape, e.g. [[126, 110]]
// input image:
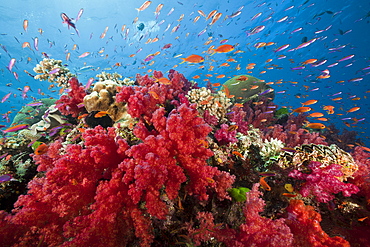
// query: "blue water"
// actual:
[[336, 23]]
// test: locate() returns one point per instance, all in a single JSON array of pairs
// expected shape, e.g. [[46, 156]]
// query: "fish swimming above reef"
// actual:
[[193, 59]]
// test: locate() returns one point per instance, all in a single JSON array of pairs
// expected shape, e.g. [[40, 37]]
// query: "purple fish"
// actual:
[[266, 91], [35, 104], [300, 67], [36, 43], [79, 14], [305, 44], [332, 65], [234, 14], [296, 30], [256, 30], [11, 64], [56, 70], [89, 82], [5, 97], [346, 58], [5, 178], [283, 47]]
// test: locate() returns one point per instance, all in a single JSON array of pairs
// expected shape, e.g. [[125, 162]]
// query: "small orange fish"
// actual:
[[353, 109], [193, 59], [215, 18], [100, 114], [220, 76], [264, 184], [25, 25], [316, 126], [322, 119], [310, 102], [232, 128], [196, 77], [238, 154], [223, 49], [329, 109], [164, 80], [254, 87], [316, 114], [144, 6], [309, 61], [289, 195], [302, 109], [216, 84], [41, 149], [154, 94]]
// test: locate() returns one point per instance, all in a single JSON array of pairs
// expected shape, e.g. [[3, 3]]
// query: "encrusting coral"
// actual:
[[102, 98]]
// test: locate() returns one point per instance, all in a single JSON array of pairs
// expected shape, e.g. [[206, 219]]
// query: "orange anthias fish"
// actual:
[[316, 114], [193, 59], [309, 61], [316, 126], [329, 108], [302, 109], [100, 114], [144, 6], [223, 49], [264, 184], [310, 102], [163, 80], [41, 149], [353, 109]]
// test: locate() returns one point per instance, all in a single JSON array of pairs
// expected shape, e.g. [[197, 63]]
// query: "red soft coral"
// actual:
[[71, 104], [304, 222]]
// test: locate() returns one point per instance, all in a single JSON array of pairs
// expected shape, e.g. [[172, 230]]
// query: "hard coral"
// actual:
[[102, 98]]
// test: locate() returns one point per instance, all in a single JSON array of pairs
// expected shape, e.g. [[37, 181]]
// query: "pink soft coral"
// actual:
[[322, 183]]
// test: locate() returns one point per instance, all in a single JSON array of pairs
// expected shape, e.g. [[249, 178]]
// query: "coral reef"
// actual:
[[53, 71], [160, 162]]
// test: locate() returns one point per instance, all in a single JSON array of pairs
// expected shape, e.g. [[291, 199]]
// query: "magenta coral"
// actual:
[[322, 183], [225, 136], [70, 104], [304, 222], [361, 177], [261, 114], [238, 116]]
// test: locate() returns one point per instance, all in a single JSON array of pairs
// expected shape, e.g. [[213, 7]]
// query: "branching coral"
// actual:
[[53, 71], [215, 104]]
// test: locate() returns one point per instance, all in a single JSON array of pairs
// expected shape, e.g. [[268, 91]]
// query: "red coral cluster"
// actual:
[[71, 104], [304, 223], [322, 183], [107, 193]]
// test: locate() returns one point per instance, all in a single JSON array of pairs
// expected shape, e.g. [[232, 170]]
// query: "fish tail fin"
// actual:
[[183, 60]]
